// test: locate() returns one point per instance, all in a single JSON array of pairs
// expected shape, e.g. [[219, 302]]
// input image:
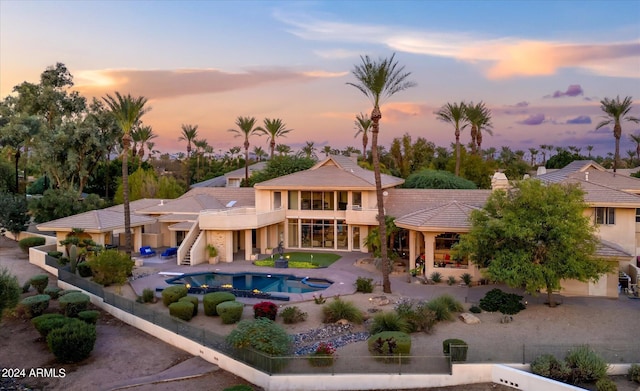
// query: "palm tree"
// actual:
[[246, 128], [363, 123], [283, 149], [616, 111], [589, 149], [309, 150], [636, 139], [143, 135], [455, 114], [260, 153], [380, 80], [273, 128], [533, 153], [479, 116], [201, 147], [326, 150], [127, 112], [189, 133]]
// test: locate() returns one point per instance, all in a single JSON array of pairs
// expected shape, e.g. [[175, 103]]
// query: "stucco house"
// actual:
[[332, 207]]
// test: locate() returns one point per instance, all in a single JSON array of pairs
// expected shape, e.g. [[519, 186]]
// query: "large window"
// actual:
[[442, 255], [293, 233], [293, 200], [606, 216], [638, 215], [316, 200]]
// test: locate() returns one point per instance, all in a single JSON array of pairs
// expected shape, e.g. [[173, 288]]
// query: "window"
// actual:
[[356, 199], [277, 200], [638, 215], [606, 216], [293, 200]]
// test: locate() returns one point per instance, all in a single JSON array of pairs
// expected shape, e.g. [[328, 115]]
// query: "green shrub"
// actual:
[[47, 322], [84, 270], [456, 349], [634, 373], [67, 291], [586, 365], [72, 342], [475, 309], [35, 305], [53, 292], [73, 303], [466, 278], [292, 315], [340, 309], [9, 290], [389, 343], [444, 306], [453, 304], [55, 254], [193, 300], [31, 242], [265, 309], [261, 334], [547, 365], [451, 280], [148, 295], [506, 303], [111, 267], [89, 316], [173, 293], [39, 282], [418, 316], [239, 387], [230, 311], [364, 285], [63, 261], [606, 384], [182, 310], [26, 286], [388, 321], [436, 277], [211, 300]]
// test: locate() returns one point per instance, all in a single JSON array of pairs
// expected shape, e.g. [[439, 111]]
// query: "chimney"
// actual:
[[586, 176], [499, 181]]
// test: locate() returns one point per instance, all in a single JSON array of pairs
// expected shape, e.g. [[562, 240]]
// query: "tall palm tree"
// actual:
[[201, 148], [363, 123], [534, 153], [246, 128], [273, 128], [283, 149], [455, 114], [636, 139], [260, 153], [379, 80], [144, 134], [326, 150], [616, 111], [479, 116], [309, 150], [189, 133], [127, 112]]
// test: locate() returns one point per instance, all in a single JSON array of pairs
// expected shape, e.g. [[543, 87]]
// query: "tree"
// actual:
[[259, 153], [534, 236], [59, 203], [363, 123], [127, 112], [273, 128], [436, 179], [533, 152], [455, 114], [246, 128], [14, 215], [9, 290], [189, 133], [283, 149], [617, 111], [636, 139], [281, 165], [142, 136], [479, 116], [379, 80], [309, 150]]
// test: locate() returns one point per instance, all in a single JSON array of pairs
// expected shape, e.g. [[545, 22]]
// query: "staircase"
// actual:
[[184, 251]]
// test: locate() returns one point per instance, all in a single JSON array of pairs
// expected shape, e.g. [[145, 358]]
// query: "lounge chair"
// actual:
[[147, 251], [170, 252]]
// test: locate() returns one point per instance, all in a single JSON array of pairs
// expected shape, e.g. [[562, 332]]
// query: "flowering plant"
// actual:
[[325, 348], [323, 355], [265, 309]]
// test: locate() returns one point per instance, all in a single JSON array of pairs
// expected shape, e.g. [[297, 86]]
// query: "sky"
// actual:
[[541, 67]]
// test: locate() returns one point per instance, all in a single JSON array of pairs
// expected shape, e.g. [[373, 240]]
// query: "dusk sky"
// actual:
[[542, 67]]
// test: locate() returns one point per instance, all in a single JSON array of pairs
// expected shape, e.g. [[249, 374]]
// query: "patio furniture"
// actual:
[[169, 253], [147, 251]]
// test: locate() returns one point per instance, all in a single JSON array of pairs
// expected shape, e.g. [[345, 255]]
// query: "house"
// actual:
[[232, 178]]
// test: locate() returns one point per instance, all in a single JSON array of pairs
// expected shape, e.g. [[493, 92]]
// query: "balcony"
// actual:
[[238, 218], [357, 215]]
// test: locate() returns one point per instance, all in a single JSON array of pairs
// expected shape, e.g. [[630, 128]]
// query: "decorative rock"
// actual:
[[469, 318], [506, 319], [342, 322], [379, 300]]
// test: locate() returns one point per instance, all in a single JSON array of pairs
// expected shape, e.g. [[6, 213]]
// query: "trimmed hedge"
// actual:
[[182, 310], [73, 342], [389, 343], [230, 311], [47, 322], [459, 351], [32, 241], [35, 305], [211, 300], [52, 291], [193, 300], [173, 293], [39, 282], [84, 269], [89, 316], [73, 303]]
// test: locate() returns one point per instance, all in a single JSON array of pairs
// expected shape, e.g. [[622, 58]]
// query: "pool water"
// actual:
[[263, 282]]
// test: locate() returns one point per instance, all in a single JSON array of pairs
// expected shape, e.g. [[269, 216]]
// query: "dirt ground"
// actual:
[[123, 352]]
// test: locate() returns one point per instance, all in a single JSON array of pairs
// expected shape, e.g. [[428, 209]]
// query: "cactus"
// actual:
[[73, 256]]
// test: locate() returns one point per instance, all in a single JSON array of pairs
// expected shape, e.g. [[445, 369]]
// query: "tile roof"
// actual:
[[221, 181], [401, 202], [608, 249], [103, 220], [573, 167], [601, 195], [137, 204], [606, 178], [451, 215], [202, 198]]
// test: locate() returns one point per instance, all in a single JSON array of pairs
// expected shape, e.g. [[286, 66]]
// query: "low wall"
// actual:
[[37, 256]]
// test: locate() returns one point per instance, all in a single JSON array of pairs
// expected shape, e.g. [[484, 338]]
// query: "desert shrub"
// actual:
[[292, 315], [31, 242], [211, 300], [52, 291], [84, 269], [173, 293], [62, 261], [340, 309], [606, 384], [73, 303], [26, 286], [421, 318], [182, 310], [436, 277], [39, 282], [586, 365], [453, 304], [475, 309], [548, 366], [111, 267], [456, 349], [89, 316], [265, 309], [262, 334], [35, 305], [148, 295], [230, 311], [9, 290], [444, 306], [506, 303], [466, 278], [193, 300], [47, 322], [55, 254], [67, 291], [388, 321], [364, 285], [389, 343], [634, 373], [72, 342], [451, 280], [239, 387]]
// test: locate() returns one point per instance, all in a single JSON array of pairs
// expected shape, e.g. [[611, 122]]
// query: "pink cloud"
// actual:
[[572, 90], [533, 119]]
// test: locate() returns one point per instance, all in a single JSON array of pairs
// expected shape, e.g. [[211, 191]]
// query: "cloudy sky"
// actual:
[[540, 66]]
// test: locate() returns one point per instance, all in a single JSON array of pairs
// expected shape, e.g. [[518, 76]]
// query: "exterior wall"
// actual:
[[264, 200], [607, 286], [623, 232], [218, 239]]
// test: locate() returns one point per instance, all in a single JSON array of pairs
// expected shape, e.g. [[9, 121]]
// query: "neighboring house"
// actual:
[[232, 178], [333, 206]]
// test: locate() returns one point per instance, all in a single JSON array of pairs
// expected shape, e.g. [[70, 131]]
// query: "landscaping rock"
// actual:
[[379, 300], [506, 319], [469, 318]]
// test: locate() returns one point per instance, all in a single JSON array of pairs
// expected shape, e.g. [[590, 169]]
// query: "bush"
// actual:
[[364, 285], [193, 300], [389, 343], [73, 303], [586, 365], [182, 310], [72, 342], [548, 366], [173, 293], [211, 300], [53, 292], [31, 242], [84, 269], [634, 373], [47, 322], [443, 307], [230, 311], [39, 282], [111, 267], [292, 315], [265, 309], [451, 280], [148, 295], [55, 254], [436, 277], [9, 290], [389, 321], [606, 384], [89, 316], [262, 335], [35, 305], [26, 286], [417, 314], [453, 304], [475, 309], [239, 387], [67, 291], [456, 349], [466, 278], [506, 303], [339, 309]]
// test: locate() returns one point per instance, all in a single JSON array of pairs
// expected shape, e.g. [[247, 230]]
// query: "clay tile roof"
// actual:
[[609, 249], [597, 194], [400, 202], [453, 214], [103, 220], [202, 198]]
